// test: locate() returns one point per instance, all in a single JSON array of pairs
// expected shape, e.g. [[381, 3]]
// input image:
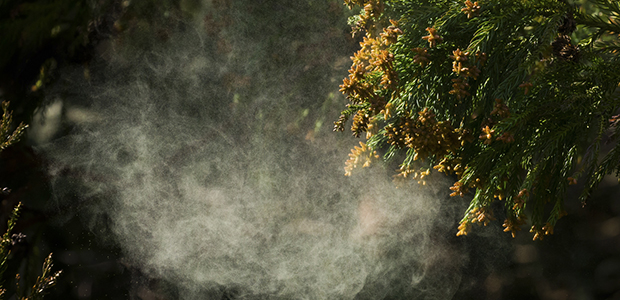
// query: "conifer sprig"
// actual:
[[6, 137], [5, 244], [496, 93], [47, 279]]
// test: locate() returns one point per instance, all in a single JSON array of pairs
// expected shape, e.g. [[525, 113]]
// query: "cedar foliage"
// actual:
[[513, 98], [47, 278]]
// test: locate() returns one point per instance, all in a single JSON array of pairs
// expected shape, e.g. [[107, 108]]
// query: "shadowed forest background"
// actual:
[[139, 109]]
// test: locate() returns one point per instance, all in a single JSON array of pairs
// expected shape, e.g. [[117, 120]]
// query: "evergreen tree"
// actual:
[[513, 98]]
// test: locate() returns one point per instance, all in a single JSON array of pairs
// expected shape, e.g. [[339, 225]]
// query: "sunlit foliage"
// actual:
[[513, 98], [9, 239]]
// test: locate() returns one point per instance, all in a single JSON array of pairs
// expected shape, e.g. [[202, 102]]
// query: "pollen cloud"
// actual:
[[209, 164]]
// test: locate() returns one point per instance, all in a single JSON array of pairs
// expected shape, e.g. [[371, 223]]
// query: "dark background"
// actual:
[[304, 45]]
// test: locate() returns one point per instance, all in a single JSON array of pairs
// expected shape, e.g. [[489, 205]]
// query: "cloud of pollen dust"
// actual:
[[210, 184]]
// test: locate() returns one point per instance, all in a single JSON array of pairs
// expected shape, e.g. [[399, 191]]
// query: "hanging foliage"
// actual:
[[512, 98]]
